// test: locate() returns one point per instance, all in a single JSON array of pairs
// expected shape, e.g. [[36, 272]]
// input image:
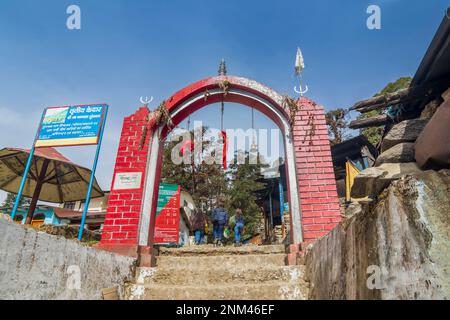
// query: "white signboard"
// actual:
[[127, 180]]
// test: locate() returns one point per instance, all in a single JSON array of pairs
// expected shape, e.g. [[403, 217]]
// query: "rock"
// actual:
[[400, 153], [430, 109], [432, 147], [69, 232], [371, 181], [353, 208], [396, 249], [365, 183], [446, 94], [405, 131]]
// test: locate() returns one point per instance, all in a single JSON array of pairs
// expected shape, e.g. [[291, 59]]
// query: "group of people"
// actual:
[[221, 224]]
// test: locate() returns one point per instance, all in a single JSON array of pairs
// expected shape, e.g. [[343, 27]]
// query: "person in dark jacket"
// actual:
[[238, 226], [220, 220], [198, 225]]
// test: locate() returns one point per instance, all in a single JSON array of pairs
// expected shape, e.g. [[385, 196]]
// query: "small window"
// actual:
[[69, 205], [82, 203]]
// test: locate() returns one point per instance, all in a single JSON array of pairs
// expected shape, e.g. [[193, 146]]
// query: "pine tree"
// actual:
[[242, 185], [245, 191], [205, 182]]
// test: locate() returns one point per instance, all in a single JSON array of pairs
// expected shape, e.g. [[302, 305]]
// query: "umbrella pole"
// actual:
[[37, 191]]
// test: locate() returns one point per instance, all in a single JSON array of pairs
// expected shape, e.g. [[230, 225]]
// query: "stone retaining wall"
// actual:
[[38, 266]]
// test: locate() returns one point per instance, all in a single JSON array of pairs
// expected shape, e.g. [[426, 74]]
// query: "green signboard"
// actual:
[[167, 224]]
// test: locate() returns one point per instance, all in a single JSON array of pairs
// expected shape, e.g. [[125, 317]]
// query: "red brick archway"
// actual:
[[313, 199]]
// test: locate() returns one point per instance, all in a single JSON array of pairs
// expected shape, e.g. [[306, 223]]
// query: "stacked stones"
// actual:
[[399, 150]]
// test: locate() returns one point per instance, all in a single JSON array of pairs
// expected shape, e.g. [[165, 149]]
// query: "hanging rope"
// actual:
[[222, 108], [253, 127], [225, 86], [253, 119]]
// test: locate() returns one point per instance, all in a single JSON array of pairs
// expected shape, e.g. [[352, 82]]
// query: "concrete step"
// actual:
[[276, 290], [226, 250], [217, 276], [221, 262]]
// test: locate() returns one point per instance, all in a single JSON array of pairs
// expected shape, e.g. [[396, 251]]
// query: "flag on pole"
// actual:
[[299, 63]]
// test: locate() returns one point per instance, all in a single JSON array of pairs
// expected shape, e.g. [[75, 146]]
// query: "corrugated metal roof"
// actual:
[[435, 65]]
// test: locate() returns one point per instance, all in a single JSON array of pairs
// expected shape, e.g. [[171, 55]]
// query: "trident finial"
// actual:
[[146, 101], [299, 66], [222, 68]]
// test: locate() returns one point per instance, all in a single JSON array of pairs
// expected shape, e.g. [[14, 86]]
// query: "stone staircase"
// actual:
[[229, 273]]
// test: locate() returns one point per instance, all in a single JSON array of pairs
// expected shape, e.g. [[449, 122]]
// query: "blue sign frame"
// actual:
[[85, 133]]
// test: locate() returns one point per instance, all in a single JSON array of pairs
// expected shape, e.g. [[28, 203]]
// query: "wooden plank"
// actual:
[[382, 99], [110, 293], [397, 97], [370, 122]]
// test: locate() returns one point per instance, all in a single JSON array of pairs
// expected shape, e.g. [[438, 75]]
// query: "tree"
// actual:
[[241, 185], [11, 199], [375, 134], [337, 125], [245, 190], [205, 182]]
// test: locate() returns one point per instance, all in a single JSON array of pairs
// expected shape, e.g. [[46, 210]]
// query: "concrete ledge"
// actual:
[[209, 249], [121, 249]]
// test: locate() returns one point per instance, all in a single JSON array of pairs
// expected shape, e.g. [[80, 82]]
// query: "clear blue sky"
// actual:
[[130, 48]]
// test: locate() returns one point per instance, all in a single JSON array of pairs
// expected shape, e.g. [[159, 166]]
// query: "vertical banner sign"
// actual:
[[167, 223]]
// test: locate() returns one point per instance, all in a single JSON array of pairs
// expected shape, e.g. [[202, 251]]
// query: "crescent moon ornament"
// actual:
[[146, 100]]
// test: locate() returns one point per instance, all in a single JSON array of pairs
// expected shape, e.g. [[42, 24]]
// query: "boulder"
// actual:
[[400, 153], [430, 109], [446, 95], [371, 181], [366, 183], [405, 131], [432, 148]]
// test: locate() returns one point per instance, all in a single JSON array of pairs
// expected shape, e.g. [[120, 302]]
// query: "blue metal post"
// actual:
[[25, 172], [91, 181], [280, 186]]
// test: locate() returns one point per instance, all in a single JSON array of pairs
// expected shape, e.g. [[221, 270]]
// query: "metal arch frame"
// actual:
[[153, 166]]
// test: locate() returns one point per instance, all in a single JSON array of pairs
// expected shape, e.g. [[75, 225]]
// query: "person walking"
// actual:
[[220, 220], [238, 227], [198, 226]]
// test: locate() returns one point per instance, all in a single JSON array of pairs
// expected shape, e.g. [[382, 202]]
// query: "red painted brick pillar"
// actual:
[[121, 226], [319, 202]]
